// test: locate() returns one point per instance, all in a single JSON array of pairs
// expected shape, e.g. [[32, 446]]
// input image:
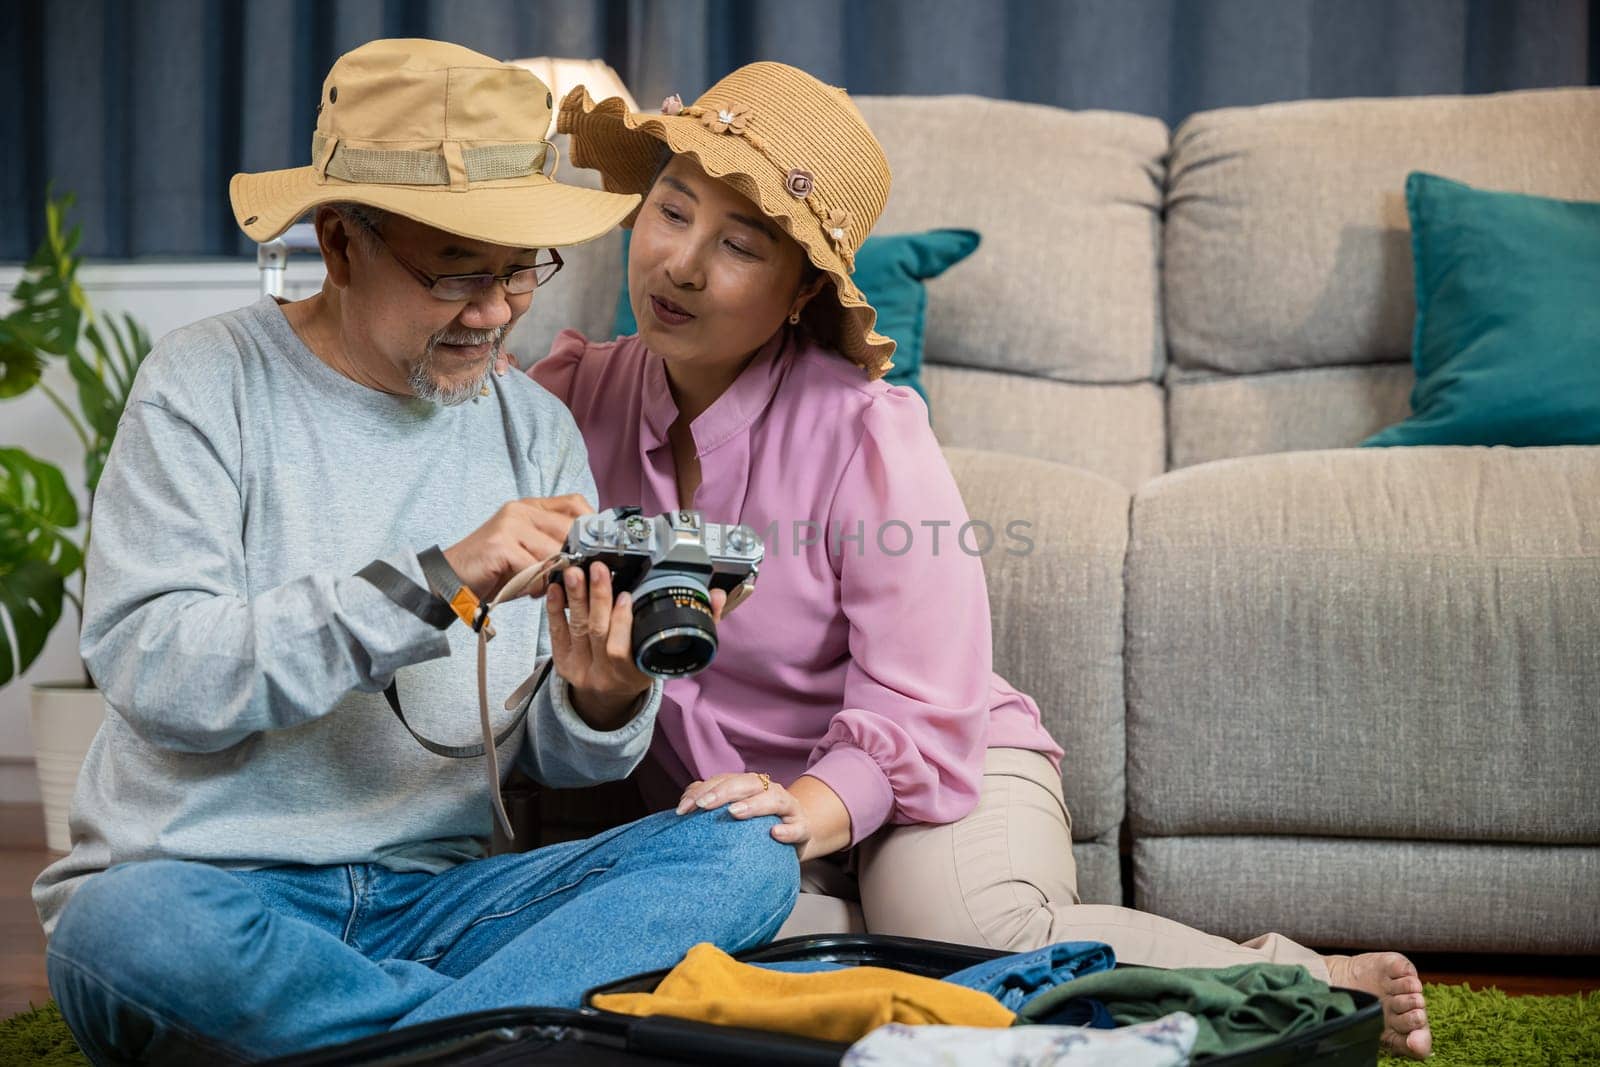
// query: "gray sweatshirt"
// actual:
[[242, 661]]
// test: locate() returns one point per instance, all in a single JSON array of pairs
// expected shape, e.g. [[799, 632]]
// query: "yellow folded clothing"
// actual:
[[844, 1006]]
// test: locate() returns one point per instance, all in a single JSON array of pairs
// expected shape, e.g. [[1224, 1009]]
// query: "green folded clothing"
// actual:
[[1237, 1007]]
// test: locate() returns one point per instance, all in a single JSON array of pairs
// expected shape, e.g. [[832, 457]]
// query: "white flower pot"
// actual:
[[66, 716]]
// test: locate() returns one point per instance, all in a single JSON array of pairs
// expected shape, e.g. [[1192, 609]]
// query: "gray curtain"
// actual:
[[144, 108]]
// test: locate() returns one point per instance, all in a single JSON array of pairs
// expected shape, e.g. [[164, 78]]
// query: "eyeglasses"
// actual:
[[458, 287]]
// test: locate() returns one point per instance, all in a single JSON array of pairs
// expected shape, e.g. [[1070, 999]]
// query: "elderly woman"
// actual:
[[854, 697]]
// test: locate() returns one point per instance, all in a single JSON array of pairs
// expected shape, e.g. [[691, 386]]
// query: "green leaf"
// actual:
[[36, 511], [103, 390], [101, 408], [50, 305], [106, 362], [20, 365], [36, 557], [31, 595], [132, 352]]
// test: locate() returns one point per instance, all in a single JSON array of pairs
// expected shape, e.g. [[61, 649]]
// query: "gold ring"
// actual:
[[766, 781]]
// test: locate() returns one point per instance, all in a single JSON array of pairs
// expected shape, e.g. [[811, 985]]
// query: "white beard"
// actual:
[[426, 384]]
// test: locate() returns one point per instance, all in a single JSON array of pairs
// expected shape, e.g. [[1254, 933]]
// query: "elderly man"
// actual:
[[264, 857]]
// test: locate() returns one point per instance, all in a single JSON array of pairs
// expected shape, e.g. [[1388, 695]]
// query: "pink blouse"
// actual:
[[864, 658]]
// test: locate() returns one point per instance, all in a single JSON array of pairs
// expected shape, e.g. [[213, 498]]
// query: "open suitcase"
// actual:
[[554, 1036]]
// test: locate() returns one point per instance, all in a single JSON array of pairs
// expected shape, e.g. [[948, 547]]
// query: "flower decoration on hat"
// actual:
[[837, 225], [799, 182], [730, 118], [672, 105]]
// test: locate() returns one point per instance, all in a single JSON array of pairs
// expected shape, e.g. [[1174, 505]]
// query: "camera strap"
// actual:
[[448, 599]]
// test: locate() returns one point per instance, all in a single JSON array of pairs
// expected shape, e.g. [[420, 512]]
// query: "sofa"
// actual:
[[1351, 695]]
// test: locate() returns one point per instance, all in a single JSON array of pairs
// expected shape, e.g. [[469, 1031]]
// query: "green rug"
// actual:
[[1471, 1028], [39, 1036], [1486, 1028]]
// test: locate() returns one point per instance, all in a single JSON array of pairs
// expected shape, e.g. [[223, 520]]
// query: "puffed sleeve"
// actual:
[[558, 372], [907, 746]]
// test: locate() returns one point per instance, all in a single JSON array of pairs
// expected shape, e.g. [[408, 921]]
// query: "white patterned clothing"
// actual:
[[1164, 1042]]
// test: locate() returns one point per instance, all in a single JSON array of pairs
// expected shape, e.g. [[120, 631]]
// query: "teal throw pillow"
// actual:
[[890, 271], [1506, 344]]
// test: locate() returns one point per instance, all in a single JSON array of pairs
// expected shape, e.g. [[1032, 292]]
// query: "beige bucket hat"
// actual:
[[440, 134], [796, 148]]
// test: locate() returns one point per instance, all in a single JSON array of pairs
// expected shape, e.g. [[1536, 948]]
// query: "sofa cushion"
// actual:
[[1416, 895], [1057, 612], [1114, 431], [1507, 340], [892, 277], [1219, 416], [1286, 241], [1065, 283], [1099, 864], [1382, 642]]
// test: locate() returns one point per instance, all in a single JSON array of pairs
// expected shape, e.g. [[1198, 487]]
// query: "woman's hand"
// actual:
[[748, 795], [812, 817], [505, 361], [591, 640]]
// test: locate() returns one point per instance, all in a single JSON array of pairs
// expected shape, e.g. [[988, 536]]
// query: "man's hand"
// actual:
[[519, 535]]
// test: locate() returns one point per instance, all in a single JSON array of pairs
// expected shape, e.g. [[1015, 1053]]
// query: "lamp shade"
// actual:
[[563, 75]]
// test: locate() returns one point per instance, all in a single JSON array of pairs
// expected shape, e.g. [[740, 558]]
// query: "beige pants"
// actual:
[[1004, 878]]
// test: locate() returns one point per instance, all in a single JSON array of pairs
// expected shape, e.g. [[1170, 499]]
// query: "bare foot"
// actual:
[[1393, 979]]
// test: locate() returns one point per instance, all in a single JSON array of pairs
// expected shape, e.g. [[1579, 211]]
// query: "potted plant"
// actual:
[[41, 565]]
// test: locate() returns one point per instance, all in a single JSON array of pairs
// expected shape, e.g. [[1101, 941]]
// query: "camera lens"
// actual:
[[674, 633]]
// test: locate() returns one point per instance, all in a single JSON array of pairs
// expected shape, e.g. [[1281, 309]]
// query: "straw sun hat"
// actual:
[[796, 148], [440, 134]]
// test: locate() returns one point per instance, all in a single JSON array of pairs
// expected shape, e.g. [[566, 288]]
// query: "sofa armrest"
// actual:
[[1057, 609], [1393, 643]]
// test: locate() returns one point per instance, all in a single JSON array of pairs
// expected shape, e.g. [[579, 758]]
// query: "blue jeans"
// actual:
[[179, 962]]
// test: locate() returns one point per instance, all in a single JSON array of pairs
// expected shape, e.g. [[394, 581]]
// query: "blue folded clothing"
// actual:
[[1079, 1011], [1014, 980]]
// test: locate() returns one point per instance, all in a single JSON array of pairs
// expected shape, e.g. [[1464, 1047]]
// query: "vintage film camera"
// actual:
[[670, 564]]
